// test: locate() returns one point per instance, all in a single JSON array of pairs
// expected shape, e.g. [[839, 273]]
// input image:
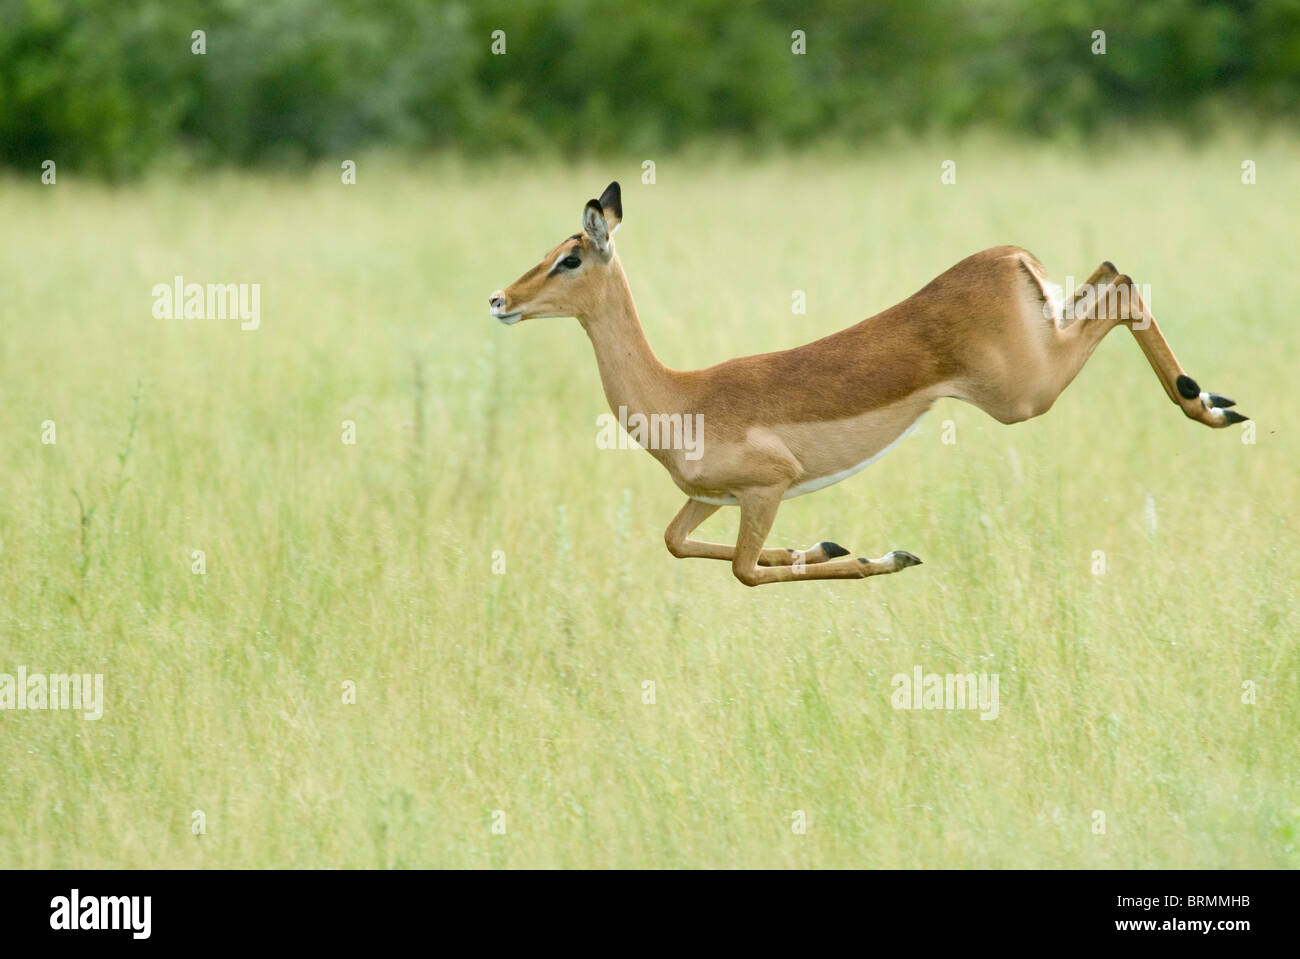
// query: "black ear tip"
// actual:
[[595, 205]]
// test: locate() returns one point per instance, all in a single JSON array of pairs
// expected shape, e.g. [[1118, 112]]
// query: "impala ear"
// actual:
[[611, 203], [594, 225]]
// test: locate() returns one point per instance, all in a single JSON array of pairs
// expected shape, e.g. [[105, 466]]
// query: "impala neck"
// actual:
[[629, 370]]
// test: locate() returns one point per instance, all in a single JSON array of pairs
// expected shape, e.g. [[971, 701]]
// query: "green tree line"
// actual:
[[109, 85]]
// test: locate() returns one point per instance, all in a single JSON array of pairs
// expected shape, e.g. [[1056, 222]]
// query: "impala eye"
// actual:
[[571, 263]]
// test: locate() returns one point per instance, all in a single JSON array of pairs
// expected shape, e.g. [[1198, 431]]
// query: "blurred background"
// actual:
[[112, 87]]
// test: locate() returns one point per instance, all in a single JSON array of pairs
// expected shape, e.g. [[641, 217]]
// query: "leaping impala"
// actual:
[[992, 330]]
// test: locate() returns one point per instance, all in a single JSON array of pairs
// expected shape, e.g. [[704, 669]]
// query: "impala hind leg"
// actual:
[[1117, 301], [677, 538], [757, 512], [1204, 407]]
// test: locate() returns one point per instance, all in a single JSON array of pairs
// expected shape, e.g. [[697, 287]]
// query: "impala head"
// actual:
[[572, 278]]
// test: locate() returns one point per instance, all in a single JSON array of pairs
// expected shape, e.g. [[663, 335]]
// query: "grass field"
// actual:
[[372, 563]]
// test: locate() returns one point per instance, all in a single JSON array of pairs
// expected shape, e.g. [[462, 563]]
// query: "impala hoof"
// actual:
[[903, 559], [833, 550], [1217, 408], [1214, 410]]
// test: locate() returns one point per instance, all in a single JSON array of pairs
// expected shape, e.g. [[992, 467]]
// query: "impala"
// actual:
[[992, 330]]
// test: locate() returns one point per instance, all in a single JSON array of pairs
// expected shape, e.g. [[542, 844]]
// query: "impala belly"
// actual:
[[828, 452], [821, 482]]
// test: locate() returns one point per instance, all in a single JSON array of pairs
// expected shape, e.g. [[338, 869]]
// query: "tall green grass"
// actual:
[[523, 691]]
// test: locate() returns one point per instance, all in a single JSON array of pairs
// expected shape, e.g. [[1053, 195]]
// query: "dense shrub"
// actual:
[[110, 85]]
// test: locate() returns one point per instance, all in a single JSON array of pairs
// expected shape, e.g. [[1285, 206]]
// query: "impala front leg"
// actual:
[[677, 538], [758, 511]]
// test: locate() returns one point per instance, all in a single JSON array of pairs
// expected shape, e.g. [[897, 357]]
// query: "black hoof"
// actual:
[[1232, 416], [1187, 387], [833, 550], [904, 559], [1222, 402]]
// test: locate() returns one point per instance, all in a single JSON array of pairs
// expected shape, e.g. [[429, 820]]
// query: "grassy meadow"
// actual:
[[327, 563]]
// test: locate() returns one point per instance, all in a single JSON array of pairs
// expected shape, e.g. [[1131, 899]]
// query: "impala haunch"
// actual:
[[992, 330]]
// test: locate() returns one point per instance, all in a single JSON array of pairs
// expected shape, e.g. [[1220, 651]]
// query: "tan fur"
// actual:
[[776, 421]]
